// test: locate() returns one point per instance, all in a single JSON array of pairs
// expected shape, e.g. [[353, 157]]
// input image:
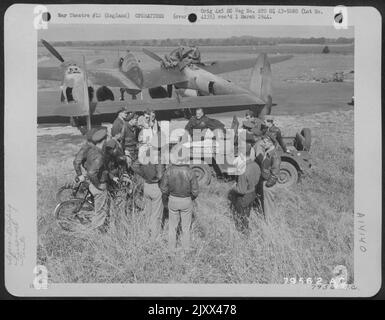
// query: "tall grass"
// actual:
[[311, 232]]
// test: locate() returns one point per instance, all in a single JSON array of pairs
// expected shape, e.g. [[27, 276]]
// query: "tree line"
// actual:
[[233, 41]]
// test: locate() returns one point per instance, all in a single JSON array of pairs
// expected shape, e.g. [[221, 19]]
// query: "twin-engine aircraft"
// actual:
[[86, 92]]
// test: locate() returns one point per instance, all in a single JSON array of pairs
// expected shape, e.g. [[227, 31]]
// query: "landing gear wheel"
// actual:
[[203, 173], [288, 175]]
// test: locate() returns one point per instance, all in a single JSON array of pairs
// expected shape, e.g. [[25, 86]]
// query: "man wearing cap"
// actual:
[[269, 161], [148, 126], [150, 168], [114, 158], [96, 174], [180, 185], [81, 156], [201, 122], [194, 55], [244, 192], [275, 132]]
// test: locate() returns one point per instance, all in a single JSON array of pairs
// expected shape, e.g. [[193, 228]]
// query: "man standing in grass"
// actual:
[[270, 162], [97, 176], [180, 185], [244, 192], [119, 122], [130, 141], [149, 167]]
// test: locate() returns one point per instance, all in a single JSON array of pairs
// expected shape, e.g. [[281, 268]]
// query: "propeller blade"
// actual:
[[152, 55], [51, 49]]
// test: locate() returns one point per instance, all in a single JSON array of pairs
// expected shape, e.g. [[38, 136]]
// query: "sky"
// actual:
[[89, 32]]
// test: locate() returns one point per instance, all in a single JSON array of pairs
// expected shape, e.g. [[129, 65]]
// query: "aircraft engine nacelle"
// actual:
[[187, 92], [129, 66], [104, 93], [158, 93], [204, 86]]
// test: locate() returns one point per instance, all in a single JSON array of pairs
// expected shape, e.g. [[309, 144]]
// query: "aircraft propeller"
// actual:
[[58, 56], [51, 49], [152, 55]]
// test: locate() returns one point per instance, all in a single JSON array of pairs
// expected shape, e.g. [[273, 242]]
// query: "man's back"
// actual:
[[247, 181], [180, 181]]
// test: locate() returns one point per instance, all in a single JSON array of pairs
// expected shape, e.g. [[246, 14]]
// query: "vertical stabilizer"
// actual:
[[261, 82]]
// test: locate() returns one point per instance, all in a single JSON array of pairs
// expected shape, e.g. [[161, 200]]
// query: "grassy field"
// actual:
[[311, 232]]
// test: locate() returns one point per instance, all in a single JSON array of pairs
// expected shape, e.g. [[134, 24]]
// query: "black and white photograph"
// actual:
[[196, 154]]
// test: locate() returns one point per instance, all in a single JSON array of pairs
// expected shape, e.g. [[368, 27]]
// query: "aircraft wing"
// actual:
[[111, 78], [217, 67], [48, 107], [175, 104], [114, 78], [160, 77]]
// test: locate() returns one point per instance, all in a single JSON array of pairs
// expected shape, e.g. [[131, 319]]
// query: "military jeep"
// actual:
[[293, 164]]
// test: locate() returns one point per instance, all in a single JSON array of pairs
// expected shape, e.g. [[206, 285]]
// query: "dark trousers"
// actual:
[[242, 207]]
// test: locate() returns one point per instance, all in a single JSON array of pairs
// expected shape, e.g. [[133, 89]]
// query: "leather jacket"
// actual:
[[180, 181], [81, 157], [114, 158], [203, 123], [276, 134], [95, 166], [130, 137], [270, 167]]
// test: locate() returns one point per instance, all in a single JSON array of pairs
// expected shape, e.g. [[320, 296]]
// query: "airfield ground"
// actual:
[[309, 235]]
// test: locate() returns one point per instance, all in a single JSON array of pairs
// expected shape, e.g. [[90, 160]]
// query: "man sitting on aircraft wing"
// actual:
[[172, 59], [195, 54], [201, 122]]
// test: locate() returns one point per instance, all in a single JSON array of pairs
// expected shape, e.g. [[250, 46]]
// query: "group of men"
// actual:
[[105, 156], [262, 170]]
